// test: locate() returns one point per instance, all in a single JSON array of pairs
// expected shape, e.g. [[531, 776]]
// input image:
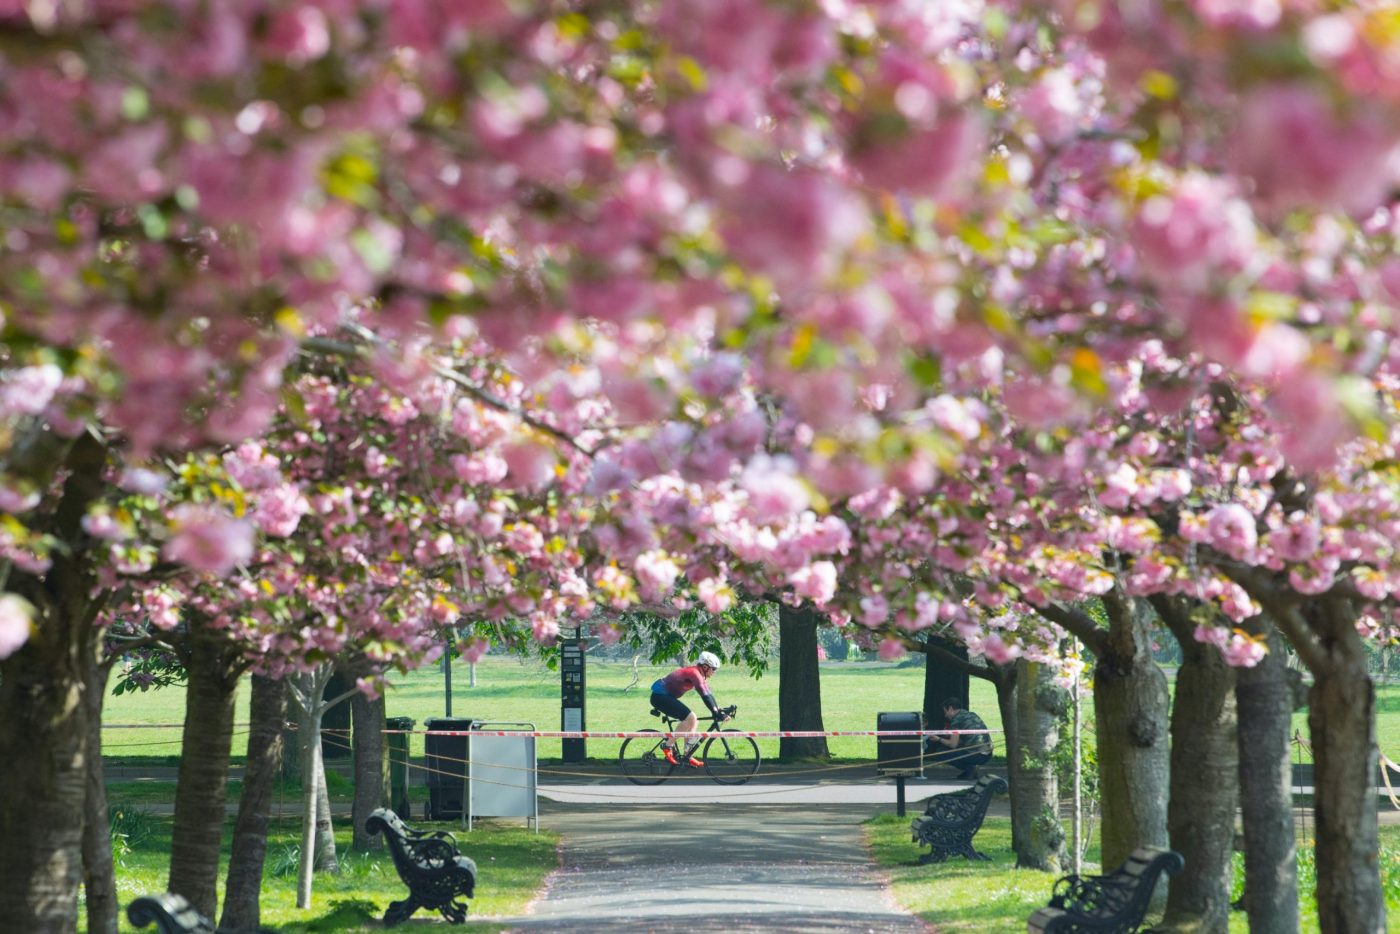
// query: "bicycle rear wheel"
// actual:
[[642, 760], [731, 759]]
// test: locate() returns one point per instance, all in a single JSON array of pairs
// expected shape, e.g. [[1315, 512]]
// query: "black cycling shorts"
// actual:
[[670, 706]]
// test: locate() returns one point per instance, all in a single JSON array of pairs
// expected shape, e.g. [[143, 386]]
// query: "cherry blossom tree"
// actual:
[[873, 220]]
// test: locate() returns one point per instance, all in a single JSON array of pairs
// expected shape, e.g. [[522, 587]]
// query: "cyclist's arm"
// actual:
[[711, 703]]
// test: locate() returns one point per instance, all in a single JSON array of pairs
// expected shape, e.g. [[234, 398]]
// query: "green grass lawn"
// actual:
[[511, 690], [962, 897], [511, 865]]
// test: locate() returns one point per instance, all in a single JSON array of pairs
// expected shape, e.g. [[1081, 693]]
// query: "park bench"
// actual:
[[950, 820], [171, 914], [1111, 904], [437, 875]]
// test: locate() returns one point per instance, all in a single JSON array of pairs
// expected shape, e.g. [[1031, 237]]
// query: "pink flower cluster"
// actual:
[[207, 538]]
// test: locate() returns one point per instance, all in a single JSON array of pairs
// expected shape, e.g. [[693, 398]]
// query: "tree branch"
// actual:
[[1289, 620], [447, 373], [1176, 615], [985, 672], [1078, 623]]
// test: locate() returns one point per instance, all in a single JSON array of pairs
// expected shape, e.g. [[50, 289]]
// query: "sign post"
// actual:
[[571, 696]]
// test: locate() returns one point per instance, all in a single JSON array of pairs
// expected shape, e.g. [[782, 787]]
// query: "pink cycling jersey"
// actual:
[[682, 680]]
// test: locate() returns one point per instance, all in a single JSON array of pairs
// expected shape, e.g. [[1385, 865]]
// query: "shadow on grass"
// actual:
[[960, 895]]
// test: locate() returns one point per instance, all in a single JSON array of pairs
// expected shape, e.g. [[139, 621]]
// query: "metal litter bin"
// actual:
[[397, 749], [446, 759], [900, 755]]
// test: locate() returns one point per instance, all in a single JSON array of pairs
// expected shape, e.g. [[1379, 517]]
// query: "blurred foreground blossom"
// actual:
[[16, 620], [209, 539]]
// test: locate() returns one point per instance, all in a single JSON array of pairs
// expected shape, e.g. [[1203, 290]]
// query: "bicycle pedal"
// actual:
[[695, 763]]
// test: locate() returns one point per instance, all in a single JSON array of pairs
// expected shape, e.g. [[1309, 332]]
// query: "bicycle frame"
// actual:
[[728, 759]]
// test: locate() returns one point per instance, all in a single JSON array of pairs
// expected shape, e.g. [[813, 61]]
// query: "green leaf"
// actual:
[[372, 250], [136, 103]]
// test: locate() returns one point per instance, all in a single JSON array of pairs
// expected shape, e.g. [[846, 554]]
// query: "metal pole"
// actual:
[[447, 680], [1077, 815], [899, 795]]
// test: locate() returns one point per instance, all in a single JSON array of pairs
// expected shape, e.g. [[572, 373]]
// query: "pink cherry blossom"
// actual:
[[1243, 652], [209, 539], [874, 610], [774, 491], [1197, 230], [1232, 529], [29, 390], [891, 649], [16, 616], [473, 649], [104, 525], [529, 465], [1335, 160], [280, 509], [1297, 538], [15, 501], [656, 574], [608, 633], [998, 650], [716, 595], [815, 582]]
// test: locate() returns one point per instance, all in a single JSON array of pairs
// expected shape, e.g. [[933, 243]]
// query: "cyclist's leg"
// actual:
[[673, 708]]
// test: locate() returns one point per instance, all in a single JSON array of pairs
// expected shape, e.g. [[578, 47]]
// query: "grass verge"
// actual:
[[963, 897], [512, 863]]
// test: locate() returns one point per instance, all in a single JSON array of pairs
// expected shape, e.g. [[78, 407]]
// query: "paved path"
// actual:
[[689, 867]]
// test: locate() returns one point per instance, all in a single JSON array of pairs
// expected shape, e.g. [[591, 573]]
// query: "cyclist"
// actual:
[[666, 697]]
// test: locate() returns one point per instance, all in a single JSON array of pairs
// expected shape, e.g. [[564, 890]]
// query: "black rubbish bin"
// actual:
[[900, 755], [446, 761], [396, 748]]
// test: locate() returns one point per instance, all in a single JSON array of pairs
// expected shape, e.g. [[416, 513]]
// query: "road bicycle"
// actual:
[[730, 758]]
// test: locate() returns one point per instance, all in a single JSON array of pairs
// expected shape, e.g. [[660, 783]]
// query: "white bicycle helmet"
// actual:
[[708, 659]]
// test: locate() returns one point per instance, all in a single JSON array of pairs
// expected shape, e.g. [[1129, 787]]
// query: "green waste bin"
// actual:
[[397, 748]]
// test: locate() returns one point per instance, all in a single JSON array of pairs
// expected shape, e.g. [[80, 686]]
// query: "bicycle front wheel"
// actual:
[[731, 759], [642, 760]]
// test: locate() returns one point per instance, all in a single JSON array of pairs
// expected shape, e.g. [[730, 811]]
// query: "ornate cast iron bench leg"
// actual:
[[400, 911]]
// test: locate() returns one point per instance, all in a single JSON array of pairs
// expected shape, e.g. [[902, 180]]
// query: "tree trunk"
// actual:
[[1204, 791], [308, 723], [943, 679], [243, 886], [1038, 837], [44, 722], [1342, 722], [1130, 718], [99, 872], [799, 683], [1010, 737], [326, 860], [1264, 698], [202, 782], [43, 745], [292, 768], [370, 785], [336, 743]]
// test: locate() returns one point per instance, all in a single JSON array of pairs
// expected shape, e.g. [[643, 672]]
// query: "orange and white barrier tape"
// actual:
[[628, 734]]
